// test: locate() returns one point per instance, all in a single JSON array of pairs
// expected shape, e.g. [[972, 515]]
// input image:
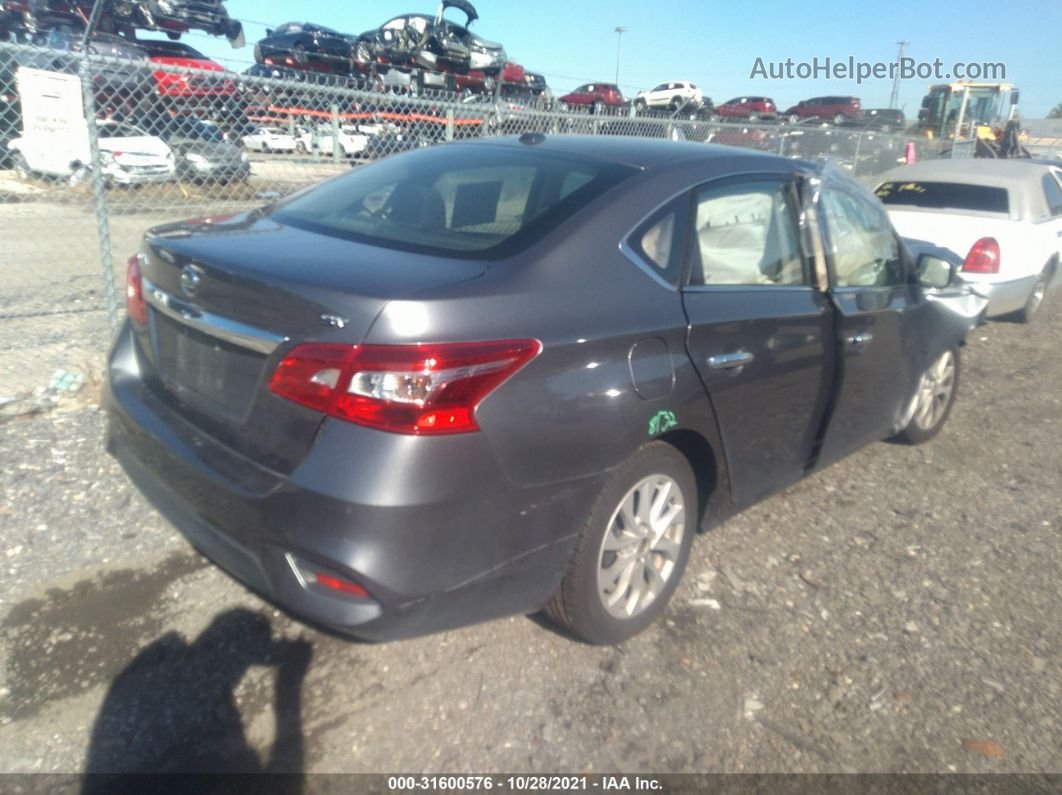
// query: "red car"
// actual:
[[835, 109], [751, 108], [179, 84], [596, 96]]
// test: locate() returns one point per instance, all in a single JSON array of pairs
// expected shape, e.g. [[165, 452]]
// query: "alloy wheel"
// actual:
[[935, 391], [641, 547]]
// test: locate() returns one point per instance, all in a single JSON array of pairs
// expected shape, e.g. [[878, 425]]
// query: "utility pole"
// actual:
[[620, 30], [895, 96]]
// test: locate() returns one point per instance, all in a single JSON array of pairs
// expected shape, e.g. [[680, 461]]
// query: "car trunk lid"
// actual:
[[228, 297]]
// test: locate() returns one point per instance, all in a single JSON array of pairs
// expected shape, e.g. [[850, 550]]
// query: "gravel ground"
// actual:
[[897, 612]]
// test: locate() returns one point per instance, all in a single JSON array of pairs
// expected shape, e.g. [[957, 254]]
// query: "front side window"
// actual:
[[747, 234], [863, 249]]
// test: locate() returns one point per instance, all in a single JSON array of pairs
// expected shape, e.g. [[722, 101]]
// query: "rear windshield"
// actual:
[[941, 195], [470, 201]]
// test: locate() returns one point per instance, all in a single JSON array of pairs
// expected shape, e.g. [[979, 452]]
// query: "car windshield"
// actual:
[[470, 201], [940, 195]]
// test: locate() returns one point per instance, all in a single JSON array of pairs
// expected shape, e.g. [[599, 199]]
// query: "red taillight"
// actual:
[[338, 584], [983, 257], [134, 292], [415, 389]]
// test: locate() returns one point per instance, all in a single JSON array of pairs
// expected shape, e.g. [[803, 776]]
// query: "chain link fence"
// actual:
[[94, 150]]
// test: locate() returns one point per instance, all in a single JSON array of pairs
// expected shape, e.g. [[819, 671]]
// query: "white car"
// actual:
[[675, 95], [268, 139], [128, 155], [352, 141], [1003, 218]]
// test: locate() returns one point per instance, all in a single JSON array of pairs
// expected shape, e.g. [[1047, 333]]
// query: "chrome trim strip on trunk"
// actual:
[[223, 328]]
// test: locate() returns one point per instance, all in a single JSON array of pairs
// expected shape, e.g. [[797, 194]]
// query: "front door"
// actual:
[[878, 361]]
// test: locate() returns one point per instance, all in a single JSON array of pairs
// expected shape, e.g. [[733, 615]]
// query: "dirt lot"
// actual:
[[898, 612]]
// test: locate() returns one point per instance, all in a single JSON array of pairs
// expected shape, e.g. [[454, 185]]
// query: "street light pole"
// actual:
[[620, 30], [894, 97]]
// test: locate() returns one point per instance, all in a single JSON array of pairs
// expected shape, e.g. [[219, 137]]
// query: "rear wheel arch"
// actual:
[[704, 462]]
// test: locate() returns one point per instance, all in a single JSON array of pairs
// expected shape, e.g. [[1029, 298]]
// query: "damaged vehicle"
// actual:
[[1005, 216], [124, 77], [512, 374], [172, 17], [307, 45], [432, 44]]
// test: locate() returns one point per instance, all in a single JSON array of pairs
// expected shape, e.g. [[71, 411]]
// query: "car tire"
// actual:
[[300, 147], [605, 600], [640, 106], [1036, 298], [677, 104], [754, 117], [839, 118], [794, 118], [598, 107], [298, 53], [933, 401], [21, 166]]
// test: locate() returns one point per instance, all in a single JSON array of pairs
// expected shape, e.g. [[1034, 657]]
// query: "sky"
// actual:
[[716, 44]]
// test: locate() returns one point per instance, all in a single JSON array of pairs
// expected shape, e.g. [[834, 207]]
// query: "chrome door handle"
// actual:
[[730, 361], [859, 341]]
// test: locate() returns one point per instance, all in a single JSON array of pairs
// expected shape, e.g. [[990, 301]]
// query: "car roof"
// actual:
[[644, 153], [970, 171]]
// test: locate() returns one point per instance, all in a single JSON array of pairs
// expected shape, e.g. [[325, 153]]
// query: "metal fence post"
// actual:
[[99, 187], [449, 124], [337, 150]]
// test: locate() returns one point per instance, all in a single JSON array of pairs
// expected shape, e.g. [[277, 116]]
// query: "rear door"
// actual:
[[877, 312], [760, 331]]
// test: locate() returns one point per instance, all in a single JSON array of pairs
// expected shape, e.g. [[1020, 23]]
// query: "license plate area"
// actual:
[[210, 373]]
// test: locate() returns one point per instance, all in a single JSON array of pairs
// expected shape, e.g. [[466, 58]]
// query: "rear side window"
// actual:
[[1053, 194], [944, 195], [457, 201]]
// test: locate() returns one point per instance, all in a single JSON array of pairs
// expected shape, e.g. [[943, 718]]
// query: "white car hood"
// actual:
[[136, 144]]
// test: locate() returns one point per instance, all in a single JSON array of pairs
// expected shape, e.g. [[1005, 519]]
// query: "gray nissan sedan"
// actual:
[[507, 375]]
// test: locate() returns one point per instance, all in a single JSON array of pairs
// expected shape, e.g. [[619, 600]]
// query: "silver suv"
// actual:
[[676, 95]]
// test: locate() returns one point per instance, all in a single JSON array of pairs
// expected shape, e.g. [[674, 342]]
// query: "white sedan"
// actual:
[[352, 142], [128, 154], [1003, 218], [268, 139]]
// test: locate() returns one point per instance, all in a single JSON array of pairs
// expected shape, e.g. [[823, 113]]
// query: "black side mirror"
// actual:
[[935, 272], [269, 32]]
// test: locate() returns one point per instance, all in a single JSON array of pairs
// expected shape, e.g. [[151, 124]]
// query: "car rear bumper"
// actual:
[[431, 528], [1005, 297], [215, 171]]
